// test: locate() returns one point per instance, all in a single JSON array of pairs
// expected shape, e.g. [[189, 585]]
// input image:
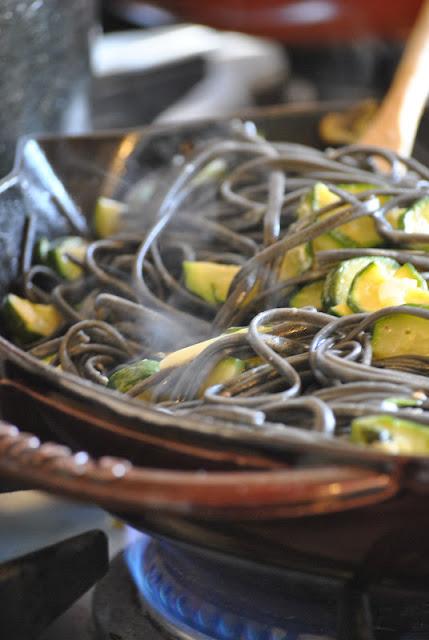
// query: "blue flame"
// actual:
[[187, 611], [134, 556]]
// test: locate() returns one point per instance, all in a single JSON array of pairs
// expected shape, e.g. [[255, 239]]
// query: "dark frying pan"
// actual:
[[259, 495]]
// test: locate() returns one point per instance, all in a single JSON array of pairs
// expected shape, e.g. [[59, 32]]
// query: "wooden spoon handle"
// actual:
[[396, 122]]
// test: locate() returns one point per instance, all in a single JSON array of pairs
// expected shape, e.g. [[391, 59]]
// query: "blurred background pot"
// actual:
[[291, 21]]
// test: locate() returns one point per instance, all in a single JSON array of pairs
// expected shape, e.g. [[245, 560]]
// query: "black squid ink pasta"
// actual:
[[265, 284]]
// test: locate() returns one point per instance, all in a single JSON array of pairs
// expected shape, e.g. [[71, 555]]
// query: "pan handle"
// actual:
[[117, 485]]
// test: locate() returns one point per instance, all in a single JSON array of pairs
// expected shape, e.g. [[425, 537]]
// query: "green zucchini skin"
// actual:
[[391, 434], [129, 375]]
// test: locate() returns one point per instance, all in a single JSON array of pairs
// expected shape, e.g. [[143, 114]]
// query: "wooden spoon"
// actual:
[[396, 121]]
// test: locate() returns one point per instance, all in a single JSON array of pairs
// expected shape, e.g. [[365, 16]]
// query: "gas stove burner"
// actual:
[[184, 594], [193, 597], [187, 596]]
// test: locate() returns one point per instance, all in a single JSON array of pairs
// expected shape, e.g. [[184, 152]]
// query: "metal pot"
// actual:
[[258, 495]]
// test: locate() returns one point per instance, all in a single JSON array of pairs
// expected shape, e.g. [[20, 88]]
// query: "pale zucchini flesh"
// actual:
[[210, 281], [296, 261], [107, 216], [310, 295]]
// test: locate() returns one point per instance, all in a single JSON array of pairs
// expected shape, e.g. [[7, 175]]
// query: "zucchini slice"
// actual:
[[319, 198], [225, 370], [377, 286], [41, 250], [339, 280], [310, 295], [127, 376], [364, 295], [390, 434], [296, 261], [107, 216], [341, 309], [357, 233], [209, 280], [27, 321], [393, 216], [416, 218], [186, 354], [400, 334], [59, 254], [329, 242]]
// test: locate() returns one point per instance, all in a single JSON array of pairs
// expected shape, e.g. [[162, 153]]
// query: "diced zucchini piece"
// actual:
[[58, 256], [416, 218], [49, 359], [310, 295], [107, 216], [212, 171], [390, 434], [305, 205], [362, 232], [27, 321], [296, 261], [129, 375], [376, 287], [185, 355], [322, 197], [339, 280], [209, 280], [358, 233], [394, 216], [341, 309], [400, 334], [224, 371], [329, 242]]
